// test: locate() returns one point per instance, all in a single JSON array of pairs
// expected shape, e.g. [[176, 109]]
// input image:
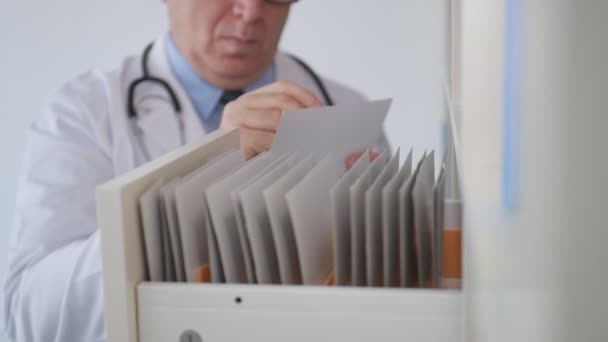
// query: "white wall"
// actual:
[[388, 48]]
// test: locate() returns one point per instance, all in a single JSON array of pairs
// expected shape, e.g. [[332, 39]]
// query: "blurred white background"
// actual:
[[388, 48]]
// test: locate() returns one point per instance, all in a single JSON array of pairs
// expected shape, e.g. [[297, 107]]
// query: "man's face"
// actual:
[[228, 39]]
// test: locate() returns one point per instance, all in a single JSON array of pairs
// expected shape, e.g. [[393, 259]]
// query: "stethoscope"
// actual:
[[147, 77]]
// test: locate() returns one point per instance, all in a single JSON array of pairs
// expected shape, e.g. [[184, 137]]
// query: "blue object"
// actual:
[[512, 104]]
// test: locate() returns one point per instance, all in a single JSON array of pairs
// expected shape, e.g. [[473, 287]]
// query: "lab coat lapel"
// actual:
[[159, 125], [158, 121]]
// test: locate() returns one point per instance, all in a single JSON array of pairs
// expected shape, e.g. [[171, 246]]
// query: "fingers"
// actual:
[[300, 94], [262, 108], [282, 102], [258, 113], [253, 118], [353, 157], [254, 142]]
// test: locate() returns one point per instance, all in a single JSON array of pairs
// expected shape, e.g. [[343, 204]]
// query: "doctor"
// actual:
[[101, 124]]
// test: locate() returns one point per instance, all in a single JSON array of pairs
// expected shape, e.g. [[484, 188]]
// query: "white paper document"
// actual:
[[337, 130]]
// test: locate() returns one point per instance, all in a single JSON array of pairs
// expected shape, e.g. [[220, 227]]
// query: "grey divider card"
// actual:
[[357, 218], [245, 247], [340, 211], [451, 265], [168, 264], [215, 260], [280, 221], [191, 209], [373, 223], [390, 224], [223, 217], [308, 204], [338, 130], [438, 195], [240, 220], [424, 217], [174, 230], [243, 238], [170, 271], [258, 226], [407, 256], [149, 208]]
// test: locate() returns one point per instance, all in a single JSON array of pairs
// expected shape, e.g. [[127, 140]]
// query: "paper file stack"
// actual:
[[302, 220]]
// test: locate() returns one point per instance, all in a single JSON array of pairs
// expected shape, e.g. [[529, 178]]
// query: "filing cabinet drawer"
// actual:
[[216, 313]]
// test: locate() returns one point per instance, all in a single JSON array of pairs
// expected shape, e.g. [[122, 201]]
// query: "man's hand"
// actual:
[[258, 113], [353, 157]]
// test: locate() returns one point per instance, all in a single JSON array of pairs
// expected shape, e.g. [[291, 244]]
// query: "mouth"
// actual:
[[239, 41], [239, 46]]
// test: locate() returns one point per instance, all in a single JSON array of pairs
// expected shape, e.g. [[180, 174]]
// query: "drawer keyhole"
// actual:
[[190, 336]]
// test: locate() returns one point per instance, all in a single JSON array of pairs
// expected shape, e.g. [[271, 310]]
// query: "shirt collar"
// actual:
[[204, 95]]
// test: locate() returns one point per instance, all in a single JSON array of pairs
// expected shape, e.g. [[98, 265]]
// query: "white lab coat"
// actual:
[[53, 290]]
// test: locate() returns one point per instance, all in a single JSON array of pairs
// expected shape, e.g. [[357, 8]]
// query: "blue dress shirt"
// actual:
[[204, 96]]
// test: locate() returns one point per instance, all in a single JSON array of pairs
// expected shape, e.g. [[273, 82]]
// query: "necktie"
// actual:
[[230, 95], [213, 122]]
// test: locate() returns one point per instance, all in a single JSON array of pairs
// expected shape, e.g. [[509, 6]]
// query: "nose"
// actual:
[[248, 10]]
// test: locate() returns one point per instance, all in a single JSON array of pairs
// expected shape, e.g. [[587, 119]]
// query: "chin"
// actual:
[[239, 67]]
